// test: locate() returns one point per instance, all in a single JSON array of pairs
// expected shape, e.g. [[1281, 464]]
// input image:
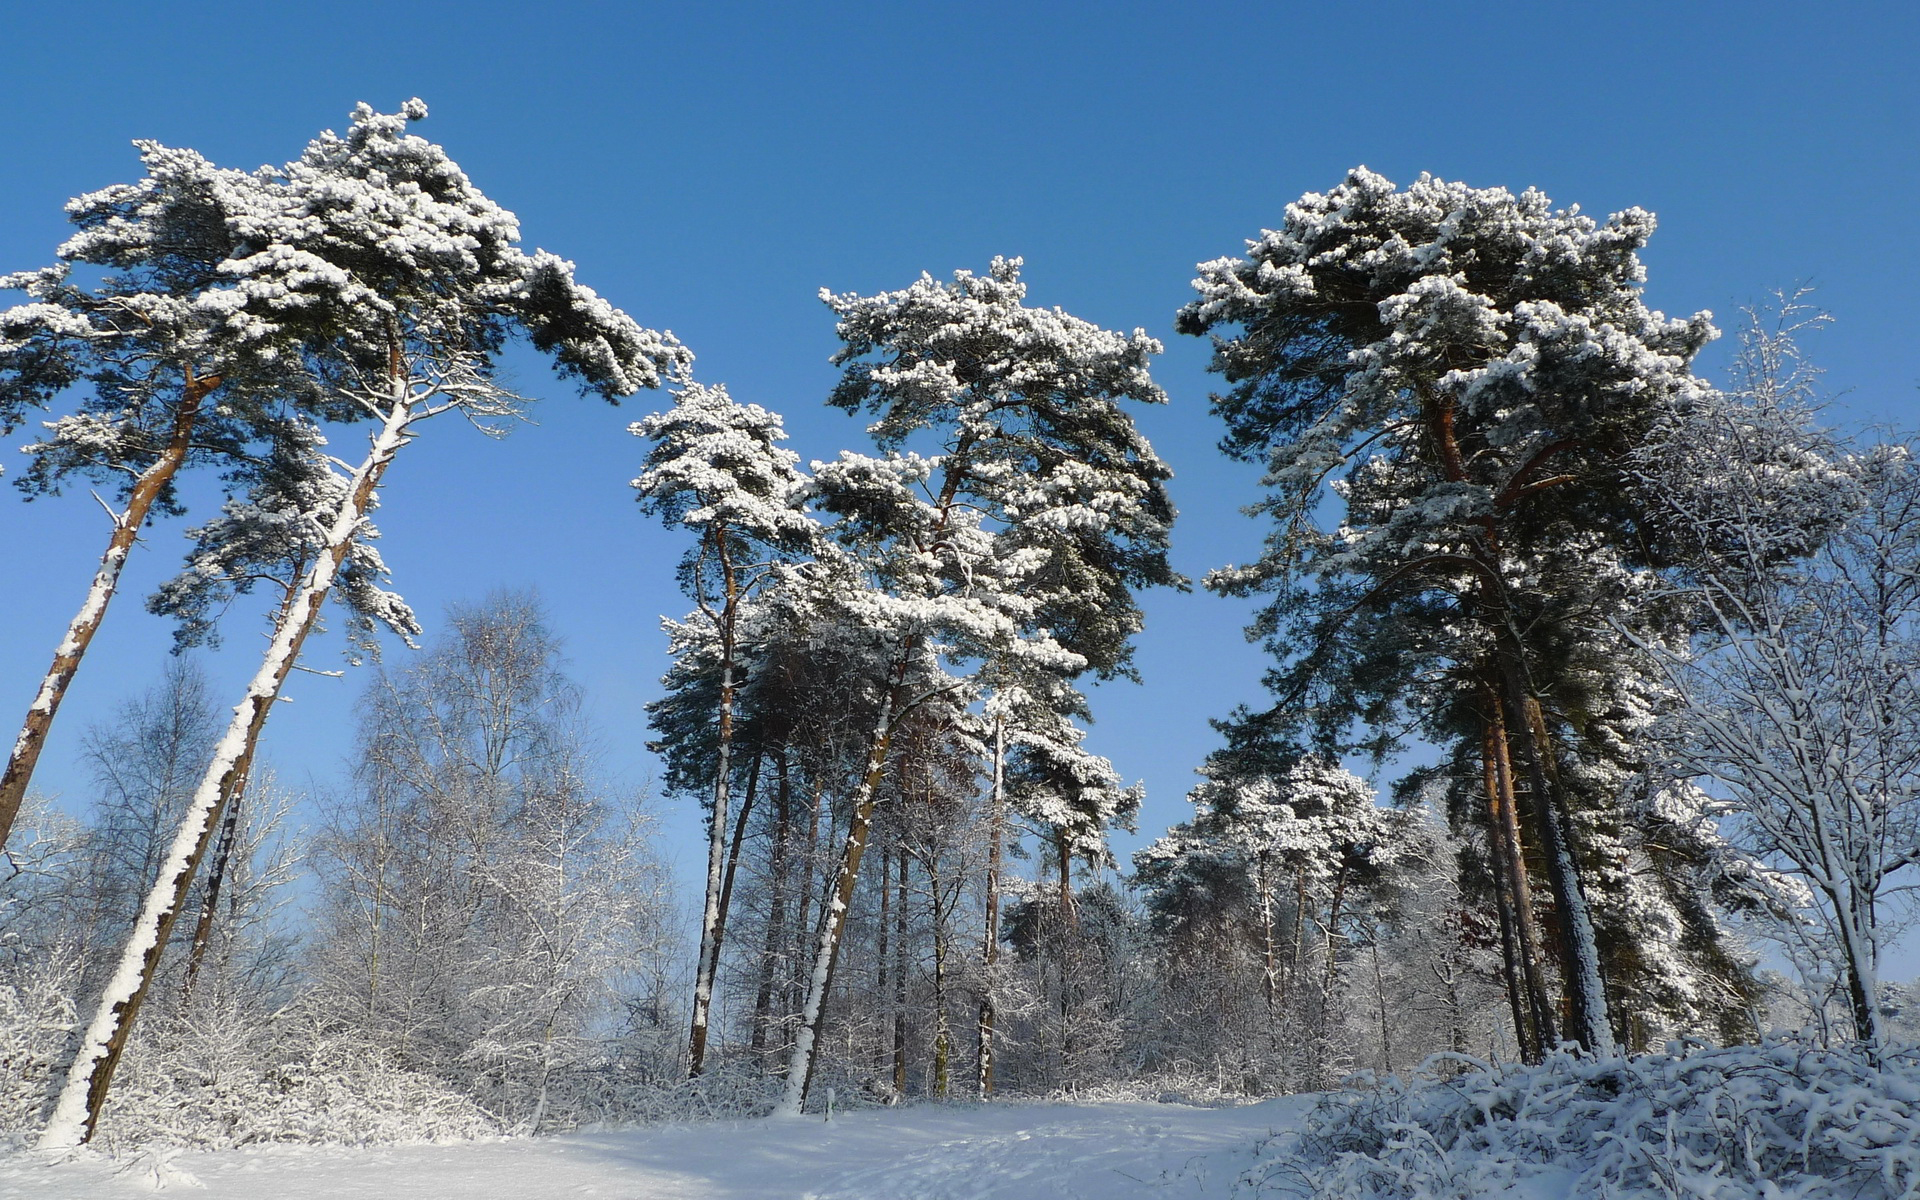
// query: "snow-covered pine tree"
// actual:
[[1467, 367], [1303, 846], [717, 468], [182, 359], [1048, 510], [410, 283]]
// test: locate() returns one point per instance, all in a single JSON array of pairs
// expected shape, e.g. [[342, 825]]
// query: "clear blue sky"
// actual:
[[711, 166]]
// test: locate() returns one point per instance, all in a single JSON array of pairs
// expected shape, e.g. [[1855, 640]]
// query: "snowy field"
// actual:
[[1004, 1152]]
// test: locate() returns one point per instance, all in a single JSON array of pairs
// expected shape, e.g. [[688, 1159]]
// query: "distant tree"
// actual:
[[1800, 696], [483, 894]]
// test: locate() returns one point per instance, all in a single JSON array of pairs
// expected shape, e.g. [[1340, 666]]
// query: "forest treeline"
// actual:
[[1652, 637]]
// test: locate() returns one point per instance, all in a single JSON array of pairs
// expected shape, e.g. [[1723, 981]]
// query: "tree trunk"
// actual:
[[800, 1067], [886, 915], [990, 942], [210, 897], [710, 922], [942, 1034], [900, 981], [776, 909], [1520, 888], [1511, 971], [147, 488], [1270, 960], [1591, 1028], [77, 1111]]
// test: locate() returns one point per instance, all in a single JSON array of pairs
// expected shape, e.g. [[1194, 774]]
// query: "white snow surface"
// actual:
[[1110, 1151]]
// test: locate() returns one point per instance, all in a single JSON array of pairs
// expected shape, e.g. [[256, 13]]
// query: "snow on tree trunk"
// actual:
[[990, 943], [800, 1065], [147, 488], [716, 867], [1590, 1026], [77, 1111]]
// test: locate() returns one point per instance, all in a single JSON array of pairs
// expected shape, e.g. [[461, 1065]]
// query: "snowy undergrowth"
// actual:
[[1784, 1120]]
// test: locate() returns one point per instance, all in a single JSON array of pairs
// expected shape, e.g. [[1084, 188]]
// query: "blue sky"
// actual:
[[711, 166]]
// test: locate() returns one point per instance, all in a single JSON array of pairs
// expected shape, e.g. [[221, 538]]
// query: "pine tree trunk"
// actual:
[[710, 930], [990, 942], [1511, 971], [147, 489], [776, 909], [1520, 888], [1591, 1028], [800, 1066], [733, 854], [900, 980], [77, 1111], [230, 807]]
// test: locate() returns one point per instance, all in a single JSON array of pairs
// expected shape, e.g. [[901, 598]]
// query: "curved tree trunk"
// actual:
[[148, 488], [77, 1111]]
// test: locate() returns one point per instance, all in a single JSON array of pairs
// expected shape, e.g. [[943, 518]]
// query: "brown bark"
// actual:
[[147, 489], [1526, 924], [1518, 995]]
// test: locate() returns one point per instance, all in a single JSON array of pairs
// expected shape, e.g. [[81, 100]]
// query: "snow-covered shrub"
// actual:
[[212, 1083], [36, 1019], [727, 1091], [1781, 1120]]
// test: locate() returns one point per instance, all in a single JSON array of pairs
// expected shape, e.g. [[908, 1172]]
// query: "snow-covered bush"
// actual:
[[1785, 1119], [212, 1083], [36, 1019]]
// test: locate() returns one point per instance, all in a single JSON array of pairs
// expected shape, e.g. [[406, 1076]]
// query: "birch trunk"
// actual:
[[147, 488], [77, 1111]]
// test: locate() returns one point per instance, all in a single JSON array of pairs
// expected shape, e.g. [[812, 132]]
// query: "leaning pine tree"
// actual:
[[1469, 369], [185, 363], [411, 285], [1020, 542]]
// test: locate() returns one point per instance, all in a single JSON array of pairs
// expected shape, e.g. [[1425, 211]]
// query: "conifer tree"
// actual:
[[716, 467], [410, 283], [1022, 540], [183, 360], [1468, 368]]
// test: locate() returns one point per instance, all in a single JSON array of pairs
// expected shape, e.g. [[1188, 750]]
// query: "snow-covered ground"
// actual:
[[926, 1152]]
